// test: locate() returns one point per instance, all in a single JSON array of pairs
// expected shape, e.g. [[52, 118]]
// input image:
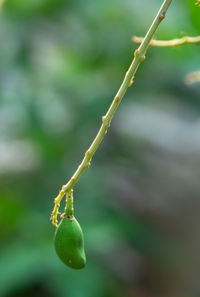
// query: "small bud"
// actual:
[[131, 82], [142, 58], [117, 99], [162, 16], [87, 153], [72, 180], [136, 53]]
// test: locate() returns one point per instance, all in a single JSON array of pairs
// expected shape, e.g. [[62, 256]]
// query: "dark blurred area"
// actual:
[[61, 63]]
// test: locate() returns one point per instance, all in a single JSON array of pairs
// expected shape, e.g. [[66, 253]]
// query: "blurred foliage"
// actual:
[[61, 63]]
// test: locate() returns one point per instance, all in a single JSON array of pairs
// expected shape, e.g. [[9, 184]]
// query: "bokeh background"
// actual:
[[61, 63]]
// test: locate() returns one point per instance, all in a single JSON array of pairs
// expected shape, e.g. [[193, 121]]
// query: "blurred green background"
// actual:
[[61, 63]]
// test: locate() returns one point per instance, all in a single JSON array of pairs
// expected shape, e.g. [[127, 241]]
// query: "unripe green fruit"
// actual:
[[69, 243]]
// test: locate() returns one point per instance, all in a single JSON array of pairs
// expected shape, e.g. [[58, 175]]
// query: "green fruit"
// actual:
[[69, 243]]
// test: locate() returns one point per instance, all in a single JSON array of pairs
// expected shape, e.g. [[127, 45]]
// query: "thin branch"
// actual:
[[139, 56], [172, 42]]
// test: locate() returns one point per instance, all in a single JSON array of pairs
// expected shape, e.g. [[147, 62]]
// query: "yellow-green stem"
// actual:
[[69, 208], [139, 56], [172, 42]]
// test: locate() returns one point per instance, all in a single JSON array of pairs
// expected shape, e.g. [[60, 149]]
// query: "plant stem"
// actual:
[[139, 56], [172, 42], [69, 209]]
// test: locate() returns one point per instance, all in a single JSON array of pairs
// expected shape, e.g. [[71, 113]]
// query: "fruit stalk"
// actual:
[[139, 56], [69, 209]]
